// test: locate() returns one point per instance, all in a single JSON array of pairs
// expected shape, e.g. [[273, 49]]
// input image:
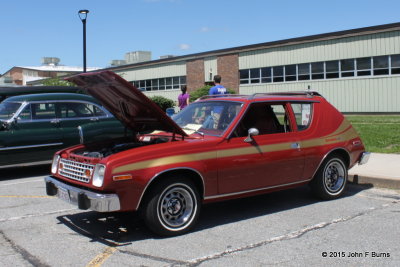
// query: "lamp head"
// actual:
[[83, 14]]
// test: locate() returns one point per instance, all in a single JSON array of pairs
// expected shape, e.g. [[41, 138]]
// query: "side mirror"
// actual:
[[251, 132], [3, 125]]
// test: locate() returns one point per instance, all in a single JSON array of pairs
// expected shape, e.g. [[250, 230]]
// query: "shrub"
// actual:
[[57, 82], [204, 91], [163, 102]]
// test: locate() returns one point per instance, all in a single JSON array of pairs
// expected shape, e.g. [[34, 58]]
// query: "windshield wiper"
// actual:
[[194, 131]]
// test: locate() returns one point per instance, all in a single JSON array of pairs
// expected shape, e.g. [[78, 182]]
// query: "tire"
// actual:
[[331, 179], [172, 207]]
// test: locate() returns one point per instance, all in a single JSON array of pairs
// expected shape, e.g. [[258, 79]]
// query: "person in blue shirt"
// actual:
[[217, 89]]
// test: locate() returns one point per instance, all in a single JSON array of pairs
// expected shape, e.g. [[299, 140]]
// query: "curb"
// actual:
[[376, 182]]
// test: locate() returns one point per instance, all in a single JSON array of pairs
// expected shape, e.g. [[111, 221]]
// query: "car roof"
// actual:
[[50, 96], [23, 90], [306, 96]]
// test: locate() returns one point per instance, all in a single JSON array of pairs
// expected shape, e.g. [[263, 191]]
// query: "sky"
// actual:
[[32, 30]]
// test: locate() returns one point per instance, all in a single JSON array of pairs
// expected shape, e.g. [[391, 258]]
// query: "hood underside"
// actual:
[[128, 104]]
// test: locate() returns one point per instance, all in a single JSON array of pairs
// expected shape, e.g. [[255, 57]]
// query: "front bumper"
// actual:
[[82, 198], [364, 158]]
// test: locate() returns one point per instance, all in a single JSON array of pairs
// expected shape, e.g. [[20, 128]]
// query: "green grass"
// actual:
[[380, 133]]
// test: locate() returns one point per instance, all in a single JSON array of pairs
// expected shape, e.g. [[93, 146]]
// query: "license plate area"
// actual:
[[64, 194]]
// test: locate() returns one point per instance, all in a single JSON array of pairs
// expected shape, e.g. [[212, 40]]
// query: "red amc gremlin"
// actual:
[[217, 148]]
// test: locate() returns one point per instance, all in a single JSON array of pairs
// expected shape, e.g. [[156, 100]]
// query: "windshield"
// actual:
[[208, 117], [8, 109]]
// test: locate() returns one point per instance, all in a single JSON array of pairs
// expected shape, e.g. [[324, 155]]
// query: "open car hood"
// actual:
[[128, 104]]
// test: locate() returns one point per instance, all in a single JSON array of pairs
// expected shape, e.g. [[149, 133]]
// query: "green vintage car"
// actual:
[[7, 91], [33, 127]]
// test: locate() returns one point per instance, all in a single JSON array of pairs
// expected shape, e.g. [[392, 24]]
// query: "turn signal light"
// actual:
[[122, 177]]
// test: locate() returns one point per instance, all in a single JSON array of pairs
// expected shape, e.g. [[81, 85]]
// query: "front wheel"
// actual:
[[172, 207], [331, 179]]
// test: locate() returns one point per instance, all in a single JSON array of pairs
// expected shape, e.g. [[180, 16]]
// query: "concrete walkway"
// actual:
[[382, 170]]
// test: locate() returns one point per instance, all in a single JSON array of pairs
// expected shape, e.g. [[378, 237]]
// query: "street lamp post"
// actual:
[[82, 15]]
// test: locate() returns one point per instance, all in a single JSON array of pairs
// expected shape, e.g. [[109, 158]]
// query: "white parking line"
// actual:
[[24, 182], [35, 215]]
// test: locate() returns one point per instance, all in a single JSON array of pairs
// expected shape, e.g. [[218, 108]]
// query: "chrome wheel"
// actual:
[[172, 206], [331, 178], [177, 206], [334, 176]]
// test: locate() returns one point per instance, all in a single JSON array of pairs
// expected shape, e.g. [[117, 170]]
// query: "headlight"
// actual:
[[98, 175], [54, 165]]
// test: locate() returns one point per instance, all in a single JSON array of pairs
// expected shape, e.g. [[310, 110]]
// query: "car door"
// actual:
[[72, 114], [273, 157], [34, 136]]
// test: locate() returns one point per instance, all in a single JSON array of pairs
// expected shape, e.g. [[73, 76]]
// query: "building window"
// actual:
[[154, 85], [317, 70], [161, 84], [142, 85], [304, 72], [175, 83], [381, 65], [168, 83], [183, 80], [332, 69], [395, 62], [266, 75], [278, 74], [347, 67], [244, 76], [148, 85], [290, 73], [363, 66], [254, 75]]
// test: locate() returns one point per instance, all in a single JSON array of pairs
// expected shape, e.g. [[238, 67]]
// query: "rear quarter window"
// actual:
[[303, 114]]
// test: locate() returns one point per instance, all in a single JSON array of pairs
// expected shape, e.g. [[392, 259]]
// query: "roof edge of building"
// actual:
[[285, 42]]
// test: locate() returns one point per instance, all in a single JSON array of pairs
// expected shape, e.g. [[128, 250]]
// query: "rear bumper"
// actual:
[[82, 198], [364, 158]]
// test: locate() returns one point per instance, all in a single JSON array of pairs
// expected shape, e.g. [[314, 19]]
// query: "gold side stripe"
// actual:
[[344, 133], [165, 161]]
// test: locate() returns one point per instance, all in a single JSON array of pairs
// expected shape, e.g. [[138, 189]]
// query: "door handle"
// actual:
[[295, 145], [55, 121]]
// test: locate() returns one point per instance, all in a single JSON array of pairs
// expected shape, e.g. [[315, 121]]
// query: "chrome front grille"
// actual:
[[76, 170]]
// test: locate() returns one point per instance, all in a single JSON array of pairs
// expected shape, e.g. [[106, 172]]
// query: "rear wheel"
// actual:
[[331, 178], [172, 208]]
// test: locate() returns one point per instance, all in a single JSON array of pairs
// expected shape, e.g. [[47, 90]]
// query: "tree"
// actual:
[[163, 102], [196, 94], [57, 82]]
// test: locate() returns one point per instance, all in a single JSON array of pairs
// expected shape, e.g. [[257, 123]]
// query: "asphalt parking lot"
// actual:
[[288, 228]]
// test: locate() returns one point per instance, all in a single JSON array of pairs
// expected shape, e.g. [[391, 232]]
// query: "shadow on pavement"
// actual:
[[120, 229], [24, 172]]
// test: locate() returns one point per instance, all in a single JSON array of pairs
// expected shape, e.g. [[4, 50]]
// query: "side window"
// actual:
[[25, 114], [43, 111], [78, 110], [97, 111], [302, 112], [266, 118]]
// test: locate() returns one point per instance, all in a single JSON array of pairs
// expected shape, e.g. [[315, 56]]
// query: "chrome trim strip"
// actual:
[[80, 131], [30, 146], [158, 174], [254, 190], [326, 155], [26, 164], [97, 202]]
